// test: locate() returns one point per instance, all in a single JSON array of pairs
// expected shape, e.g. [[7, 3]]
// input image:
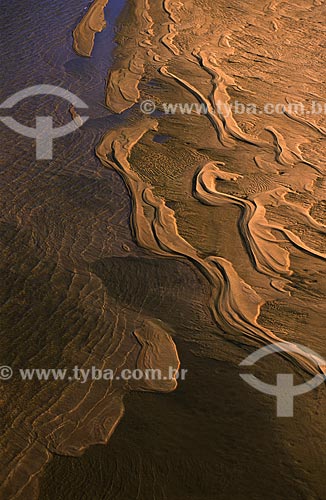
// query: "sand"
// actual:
[[235, 198]]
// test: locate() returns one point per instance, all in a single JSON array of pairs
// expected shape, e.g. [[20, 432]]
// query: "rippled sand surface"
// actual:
[[165, 240]]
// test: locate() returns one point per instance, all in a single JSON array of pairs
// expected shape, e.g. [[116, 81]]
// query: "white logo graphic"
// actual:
[[284, 390], [44, 133]]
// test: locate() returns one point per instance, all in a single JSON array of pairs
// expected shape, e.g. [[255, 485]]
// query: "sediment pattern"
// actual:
[[262, 176], [122, 83], [93, 22]]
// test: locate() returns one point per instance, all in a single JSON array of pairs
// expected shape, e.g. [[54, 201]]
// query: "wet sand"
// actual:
[[194, 250], [93, 22]]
